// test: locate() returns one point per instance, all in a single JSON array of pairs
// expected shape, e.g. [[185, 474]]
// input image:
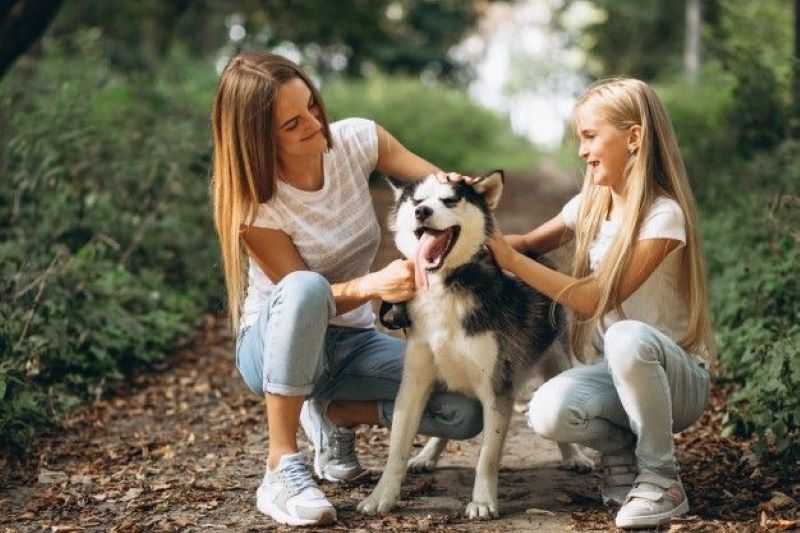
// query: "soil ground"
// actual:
[[184, 449]]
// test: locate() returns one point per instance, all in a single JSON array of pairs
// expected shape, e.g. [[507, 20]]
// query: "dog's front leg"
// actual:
[[415, 388], [496, 416]]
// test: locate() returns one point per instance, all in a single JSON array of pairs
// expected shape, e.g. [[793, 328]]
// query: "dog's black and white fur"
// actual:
[[480, 331]]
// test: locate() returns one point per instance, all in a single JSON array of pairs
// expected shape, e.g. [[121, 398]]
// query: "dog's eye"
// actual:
[[450, 202], [415, 202]]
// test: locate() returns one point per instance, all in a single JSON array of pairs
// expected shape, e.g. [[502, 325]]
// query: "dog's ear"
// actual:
[[490, 185], [396, 185]]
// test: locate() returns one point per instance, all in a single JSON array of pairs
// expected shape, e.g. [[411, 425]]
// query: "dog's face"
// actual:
[[442, 225]]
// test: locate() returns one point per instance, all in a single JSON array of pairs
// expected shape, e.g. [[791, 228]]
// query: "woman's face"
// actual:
[[298, 121], [603, 146]]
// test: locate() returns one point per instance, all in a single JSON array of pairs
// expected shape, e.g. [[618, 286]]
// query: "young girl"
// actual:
[[638, 289], [290, 191]]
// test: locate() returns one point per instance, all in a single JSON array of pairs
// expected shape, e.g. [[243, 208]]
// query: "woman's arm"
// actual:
[[397, 161], [277, 256], [549, 236], [647, 255]]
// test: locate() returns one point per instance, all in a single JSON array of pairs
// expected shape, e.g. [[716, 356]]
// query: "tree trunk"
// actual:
[[691, 52], [22, 22]]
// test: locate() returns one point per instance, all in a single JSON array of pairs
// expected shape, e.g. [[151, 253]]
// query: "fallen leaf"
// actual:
[[781, 501], [537, 511], [132, 494], [49, 477]]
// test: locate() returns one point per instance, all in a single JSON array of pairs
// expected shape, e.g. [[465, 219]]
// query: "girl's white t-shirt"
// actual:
[[334, 229], [660, 301]]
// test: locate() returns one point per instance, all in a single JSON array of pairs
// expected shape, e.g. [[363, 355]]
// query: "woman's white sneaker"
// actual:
[[290, 495], [649, 506]]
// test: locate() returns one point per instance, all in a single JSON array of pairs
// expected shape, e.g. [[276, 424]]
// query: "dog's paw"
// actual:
[[377, 503], [577, 463], [422, 463], [482, 510]]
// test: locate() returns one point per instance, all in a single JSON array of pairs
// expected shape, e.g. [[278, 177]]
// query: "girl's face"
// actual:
[[603, 146], [298, 121]]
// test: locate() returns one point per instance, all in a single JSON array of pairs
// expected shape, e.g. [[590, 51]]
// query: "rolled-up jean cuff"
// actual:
[[288, 390]]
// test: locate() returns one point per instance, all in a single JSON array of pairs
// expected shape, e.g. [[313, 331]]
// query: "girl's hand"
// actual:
[[393, 283], [501, 250], [446, 177]]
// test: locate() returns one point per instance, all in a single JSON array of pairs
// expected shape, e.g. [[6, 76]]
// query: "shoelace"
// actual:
[[343, 447], [297, 476]]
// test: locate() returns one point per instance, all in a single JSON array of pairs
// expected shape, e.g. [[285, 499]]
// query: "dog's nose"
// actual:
[[422, 212]]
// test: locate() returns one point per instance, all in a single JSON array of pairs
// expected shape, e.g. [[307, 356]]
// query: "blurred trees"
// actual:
[[350, 36], [750, 40]]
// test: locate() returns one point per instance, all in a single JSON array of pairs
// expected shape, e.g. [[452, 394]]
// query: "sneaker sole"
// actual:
[[274, 512], [651, 521]]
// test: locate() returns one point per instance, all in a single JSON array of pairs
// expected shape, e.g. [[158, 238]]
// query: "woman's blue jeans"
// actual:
[[292, 351]]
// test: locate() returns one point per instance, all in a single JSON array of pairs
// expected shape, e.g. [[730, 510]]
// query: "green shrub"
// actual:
[[440, 124], [107, 253], [752, 245]]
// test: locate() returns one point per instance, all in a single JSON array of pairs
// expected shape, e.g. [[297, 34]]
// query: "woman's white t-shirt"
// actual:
[[661, 300], [334, 229]]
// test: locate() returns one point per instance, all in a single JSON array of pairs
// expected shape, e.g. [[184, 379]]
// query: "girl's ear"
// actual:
[[634, 138], [490, 185]]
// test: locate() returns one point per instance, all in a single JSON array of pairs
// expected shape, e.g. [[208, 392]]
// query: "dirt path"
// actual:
[[185, 450]]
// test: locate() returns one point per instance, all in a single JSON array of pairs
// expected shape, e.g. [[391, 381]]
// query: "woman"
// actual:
[[290, 192]]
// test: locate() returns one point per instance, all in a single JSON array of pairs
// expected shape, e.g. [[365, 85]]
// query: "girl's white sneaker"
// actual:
[[649, 506]]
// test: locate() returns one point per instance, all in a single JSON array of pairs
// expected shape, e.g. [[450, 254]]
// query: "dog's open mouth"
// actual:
[[432, 249]]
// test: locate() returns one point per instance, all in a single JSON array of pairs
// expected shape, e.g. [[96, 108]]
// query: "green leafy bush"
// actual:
[[440, 124], [107, 253], [752, 245]]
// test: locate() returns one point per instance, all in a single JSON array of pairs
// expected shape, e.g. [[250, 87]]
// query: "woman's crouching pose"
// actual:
[[292, 206]]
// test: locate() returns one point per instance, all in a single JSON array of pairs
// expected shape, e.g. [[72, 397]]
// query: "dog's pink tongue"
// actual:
[[426, 242]]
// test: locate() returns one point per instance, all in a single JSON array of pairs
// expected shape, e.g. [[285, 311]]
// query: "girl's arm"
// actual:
[[544, 238], [647, 255], [397, 161], [277, 256]]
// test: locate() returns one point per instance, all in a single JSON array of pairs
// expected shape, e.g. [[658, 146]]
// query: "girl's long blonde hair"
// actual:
[[245, 154], [656, 168]]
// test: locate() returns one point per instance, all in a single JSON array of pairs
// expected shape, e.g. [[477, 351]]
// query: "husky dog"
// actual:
[[480, 331]]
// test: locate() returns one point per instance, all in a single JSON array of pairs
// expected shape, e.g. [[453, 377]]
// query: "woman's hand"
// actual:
[[393, 283], [446, 177], [502, 251]]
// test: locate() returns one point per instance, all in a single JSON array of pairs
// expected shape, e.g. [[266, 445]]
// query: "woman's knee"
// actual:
[[626, 345], [307, 294], [555, 411]]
